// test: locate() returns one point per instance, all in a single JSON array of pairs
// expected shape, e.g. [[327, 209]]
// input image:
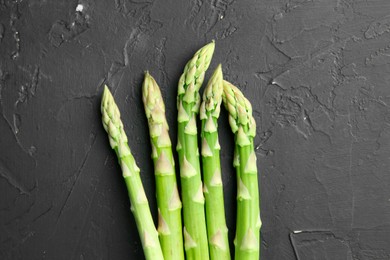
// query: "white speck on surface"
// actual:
[[79, 8], [278, 16], [297, 231]]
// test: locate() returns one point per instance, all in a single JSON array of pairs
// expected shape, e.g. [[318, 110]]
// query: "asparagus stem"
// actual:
[[215, 211], [188, 102], [139, 203], [248, 221], [168, 200]]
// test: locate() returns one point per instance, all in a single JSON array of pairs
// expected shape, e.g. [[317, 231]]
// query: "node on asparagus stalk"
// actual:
[[188, 102], [139, 203], [215, 211], [168, 200], [248, 223]]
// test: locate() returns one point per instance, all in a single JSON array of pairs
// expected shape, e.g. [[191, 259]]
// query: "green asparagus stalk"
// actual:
[[168, 200], [215, 211], [139, 203], [247, 240], [188, 103]]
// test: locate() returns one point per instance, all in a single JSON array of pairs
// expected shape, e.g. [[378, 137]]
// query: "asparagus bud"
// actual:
[[139, 203], [188, 100], [215, 211], [168, 200], [247, 240]]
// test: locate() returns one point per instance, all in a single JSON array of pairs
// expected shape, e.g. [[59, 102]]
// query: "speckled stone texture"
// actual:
[[317, 73]]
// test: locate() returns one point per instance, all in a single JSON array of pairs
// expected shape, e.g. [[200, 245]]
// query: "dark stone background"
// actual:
[[317, 73]]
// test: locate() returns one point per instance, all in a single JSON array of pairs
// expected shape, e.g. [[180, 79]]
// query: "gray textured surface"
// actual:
[[317, 73]]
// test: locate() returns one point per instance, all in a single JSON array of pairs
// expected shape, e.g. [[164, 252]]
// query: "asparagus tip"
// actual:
[[211, 45], [106, 91], [105, 97], [218, 71]]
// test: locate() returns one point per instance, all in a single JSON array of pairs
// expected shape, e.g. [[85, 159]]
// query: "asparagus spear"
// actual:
[[139, 203], [248, 206], [188, 102], [168, 200], [213, 190]]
